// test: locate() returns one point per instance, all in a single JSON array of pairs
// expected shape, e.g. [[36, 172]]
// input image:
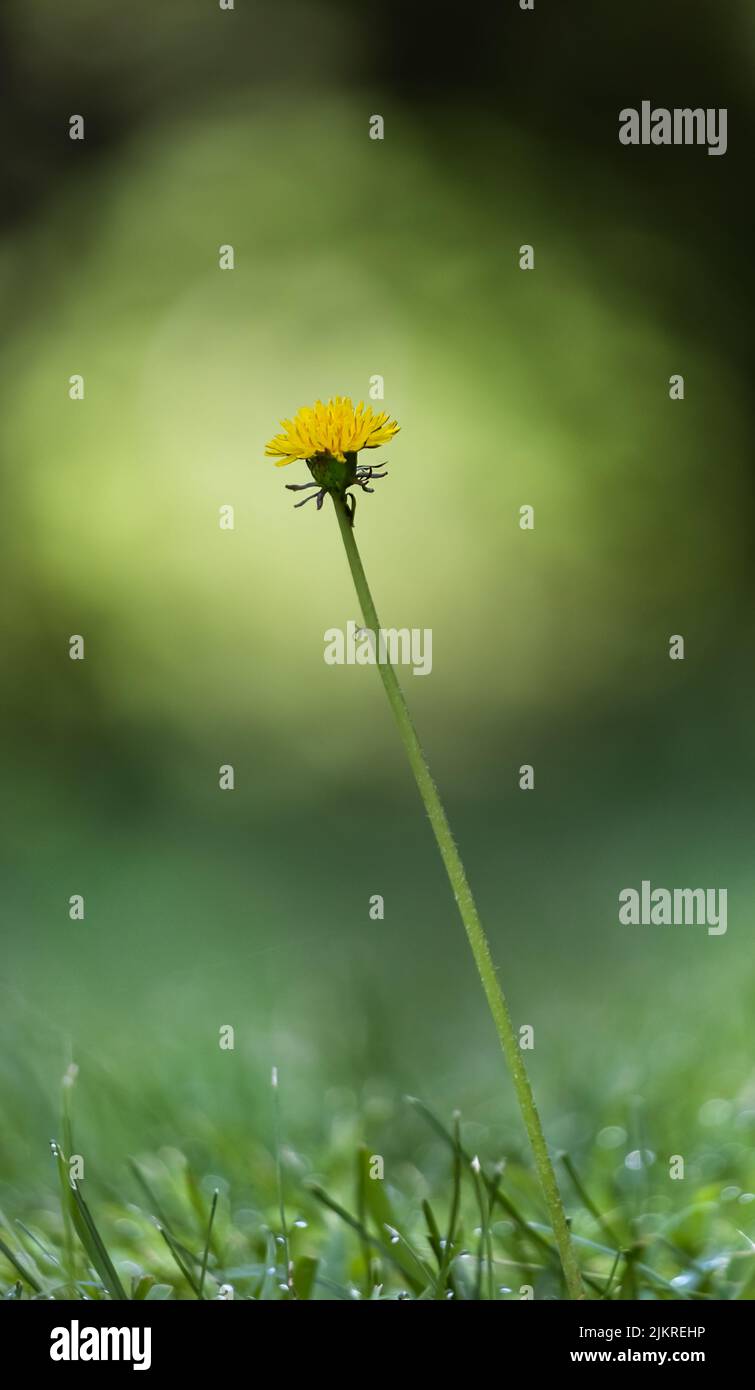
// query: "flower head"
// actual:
[[330, 432]]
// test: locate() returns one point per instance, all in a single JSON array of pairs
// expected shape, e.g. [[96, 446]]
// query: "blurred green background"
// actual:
[[356, 257]]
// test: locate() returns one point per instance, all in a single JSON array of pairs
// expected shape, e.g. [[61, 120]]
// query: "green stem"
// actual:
[[469, 916]]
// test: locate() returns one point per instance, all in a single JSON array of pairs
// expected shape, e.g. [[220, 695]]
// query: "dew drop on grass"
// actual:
[[639, 1158]]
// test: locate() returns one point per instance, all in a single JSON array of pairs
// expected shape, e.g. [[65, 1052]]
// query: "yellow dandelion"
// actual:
[[330, 431]]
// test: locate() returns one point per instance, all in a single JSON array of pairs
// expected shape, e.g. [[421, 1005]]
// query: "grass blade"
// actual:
[[20, 1268], [207, 1242], [87, 1232]]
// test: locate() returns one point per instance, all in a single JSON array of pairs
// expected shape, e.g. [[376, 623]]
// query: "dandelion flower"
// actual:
[[328, 439], [333, 431]]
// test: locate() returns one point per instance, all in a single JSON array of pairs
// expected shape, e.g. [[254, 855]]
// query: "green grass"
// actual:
[[458, 1214]]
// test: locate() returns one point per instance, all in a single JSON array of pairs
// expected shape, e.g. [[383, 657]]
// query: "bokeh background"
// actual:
[[356, 257]]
